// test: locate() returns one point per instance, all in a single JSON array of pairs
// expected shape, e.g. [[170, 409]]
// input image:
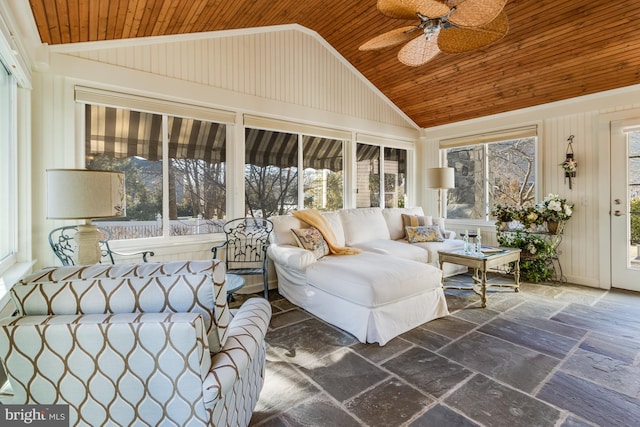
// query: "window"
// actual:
[[8, 169], [133, 142], [323, 173], [270, 173], [496, 172], [368, 167], [272, 182]]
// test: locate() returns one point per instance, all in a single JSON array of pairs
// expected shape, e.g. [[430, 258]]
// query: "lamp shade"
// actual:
[[84, 194], [440, 178]]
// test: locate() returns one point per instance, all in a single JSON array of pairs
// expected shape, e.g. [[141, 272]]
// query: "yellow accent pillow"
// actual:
[[424, 233]]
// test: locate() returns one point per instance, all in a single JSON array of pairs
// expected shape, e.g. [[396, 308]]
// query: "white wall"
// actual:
[[586, 241]]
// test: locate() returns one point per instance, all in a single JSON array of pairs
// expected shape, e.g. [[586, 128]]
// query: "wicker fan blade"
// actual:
[[456, 40], [474, 13], [419, 51], [391, 38], [406, 9]]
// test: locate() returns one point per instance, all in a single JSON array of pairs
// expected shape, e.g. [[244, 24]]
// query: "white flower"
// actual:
[[567, 210], [555, 205]]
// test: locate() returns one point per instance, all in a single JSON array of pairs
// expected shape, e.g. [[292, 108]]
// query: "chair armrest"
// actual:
[[244, 343], [215, 248], [291, 256], [449, 234], [144, 254]]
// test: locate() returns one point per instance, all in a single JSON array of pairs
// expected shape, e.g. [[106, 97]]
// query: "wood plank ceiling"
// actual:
[[554, 49]]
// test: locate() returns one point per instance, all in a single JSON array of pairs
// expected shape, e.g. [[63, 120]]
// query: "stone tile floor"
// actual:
[[550, 355]]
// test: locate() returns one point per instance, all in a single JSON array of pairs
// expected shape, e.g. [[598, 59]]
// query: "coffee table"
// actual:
[[481, 262]]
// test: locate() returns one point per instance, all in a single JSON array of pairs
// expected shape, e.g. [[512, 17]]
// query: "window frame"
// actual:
[[11, 164], [484, 139]]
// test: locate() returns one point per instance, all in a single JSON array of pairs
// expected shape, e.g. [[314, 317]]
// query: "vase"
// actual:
[[553, 227]]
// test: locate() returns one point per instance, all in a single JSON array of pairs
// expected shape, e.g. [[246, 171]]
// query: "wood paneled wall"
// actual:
[[290, 66]]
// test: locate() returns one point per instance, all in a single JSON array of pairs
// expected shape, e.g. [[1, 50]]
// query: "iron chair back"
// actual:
[[245, 247], [62, 243]]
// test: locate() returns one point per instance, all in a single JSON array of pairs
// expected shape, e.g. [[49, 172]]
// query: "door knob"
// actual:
[[618, 213], [617, 201]]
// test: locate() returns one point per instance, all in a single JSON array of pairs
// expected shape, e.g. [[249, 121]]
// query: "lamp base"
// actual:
[[87, 239]]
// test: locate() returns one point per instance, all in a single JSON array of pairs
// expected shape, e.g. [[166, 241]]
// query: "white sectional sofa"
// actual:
[[389, 288]]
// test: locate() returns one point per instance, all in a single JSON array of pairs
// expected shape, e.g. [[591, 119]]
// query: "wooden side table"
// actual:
[[481, 262]]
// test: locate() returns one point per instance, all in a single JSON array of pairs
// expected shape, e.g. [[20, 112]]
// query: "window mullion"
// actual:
[[165, 176]]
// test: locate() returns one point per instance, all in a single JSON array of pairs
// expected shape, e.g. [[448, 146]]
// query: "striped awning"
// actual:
[[121, 133]]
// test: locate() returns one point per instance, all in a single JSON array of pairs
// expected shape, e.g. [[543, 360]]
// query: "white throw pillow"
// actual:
[[363, 225]]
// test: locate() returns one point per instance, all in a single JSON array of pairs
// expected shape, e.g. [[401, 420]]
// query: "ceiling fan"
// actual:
[[450, 26]]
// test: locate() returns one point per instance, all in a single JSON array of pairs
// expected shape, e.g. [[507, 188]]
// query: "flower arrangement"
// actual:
[[535, 265], [570, 166], [555, 208]]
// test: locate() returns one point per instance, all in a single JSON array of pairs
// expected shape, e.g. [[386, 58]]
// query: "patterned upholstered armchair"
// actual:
[[148, 344]]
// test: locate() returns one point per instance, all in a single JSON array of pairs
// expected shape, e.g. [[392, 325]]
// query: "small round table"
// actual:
[[234, 284]]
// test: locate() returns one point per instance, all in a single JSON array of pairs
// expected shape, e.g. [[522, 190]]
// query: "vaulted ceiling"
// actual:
[[554, 50]]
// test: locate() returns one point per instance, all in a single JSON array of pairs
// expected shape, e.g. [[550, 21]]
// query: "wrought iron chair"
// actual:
[[245, 247], [62, 240]]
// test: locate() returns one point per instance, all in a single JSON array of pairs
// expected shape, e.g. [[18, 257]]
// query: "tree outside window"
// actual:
[[502, 172], [132, 142]]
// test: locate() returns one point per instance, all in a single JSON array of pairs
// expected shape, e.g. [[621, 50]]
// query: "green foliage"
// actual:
[[535, 263], [635, 219], [535, 270]]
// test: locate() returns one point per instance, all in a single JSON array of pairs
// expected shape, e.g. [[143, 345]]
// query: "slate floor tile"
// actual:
[[429, 372], [517, 366], [552, 326], [537, 309], [343, 374], [425, 338], [604, 370], [318, 411], [390, 404], [527, 336], [307, 341], [441, 416], [477, 315], [591, 401], [283, 389], [285, 318], [493, 404], [618, 348], [377, 354], [449, 326]]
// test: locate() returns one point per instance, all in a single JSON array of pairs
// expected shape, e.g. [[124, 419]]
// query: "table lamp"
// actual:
[[85, 194], [440, 179]]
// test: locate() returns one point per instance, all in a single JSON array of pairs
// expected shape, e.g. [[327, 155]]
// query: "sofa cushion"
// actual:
[[363, 224], [399, 249], [282, 226], [424, 233], [372, 280], [432, 248], [393, 217], [311, 240], [333, 218]]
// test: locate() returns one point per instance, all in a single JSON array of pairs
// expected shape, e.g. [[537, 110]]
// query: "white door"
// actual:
[[625, 205]]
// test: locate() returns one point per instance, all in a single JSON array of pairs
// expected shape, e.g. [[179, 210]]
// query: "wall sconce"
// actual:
[[569, 165]]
